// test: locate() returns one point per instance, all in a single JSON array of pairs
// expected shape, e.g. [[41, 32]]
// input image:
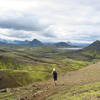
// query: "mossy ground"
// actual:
[[83, 92], [40, 72], [20, 66]]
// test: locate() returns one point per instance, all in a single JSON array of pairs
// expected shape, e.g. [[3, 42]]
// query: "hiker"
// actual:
[[55, 75]]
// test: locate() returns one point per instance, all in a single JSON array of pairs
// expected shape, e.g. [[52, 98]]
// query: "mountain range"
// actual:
[[35, 43]]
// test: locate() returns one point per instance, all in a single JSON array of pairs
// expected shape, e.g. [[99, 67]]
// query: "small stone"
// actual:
[[22, 99]]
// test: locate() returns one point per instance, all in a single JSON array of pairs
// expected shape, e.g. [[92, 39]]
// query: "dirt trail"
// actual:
[[88, 74]]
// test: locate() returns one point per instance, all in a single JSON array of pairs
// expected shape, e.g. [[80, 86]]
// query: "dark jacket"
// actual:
[[55, 75]]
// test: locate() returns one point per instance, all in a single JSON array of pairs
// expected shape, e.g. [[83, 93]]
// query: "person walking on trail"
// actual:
[[55, 76]]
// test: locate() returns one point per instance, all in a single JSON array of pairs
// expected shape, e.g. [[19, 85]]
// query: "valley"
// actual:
[[26, 71], [49, 49]]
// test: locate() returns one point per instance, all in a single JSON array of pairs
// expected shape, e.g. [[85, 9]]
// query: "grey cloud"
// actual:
[[49, 35], [16, 35], [24, 22], [79, 16], [87, 37]]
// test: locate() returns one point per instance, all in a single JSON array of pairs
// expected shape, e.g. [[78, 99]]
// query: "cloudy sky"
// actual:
[[50, 20]]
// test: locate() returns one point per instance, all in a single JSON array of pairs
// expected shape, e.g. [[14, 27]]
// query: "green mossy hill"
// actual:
[[19, 78], [93, 50], [94, 46], [34, 64]]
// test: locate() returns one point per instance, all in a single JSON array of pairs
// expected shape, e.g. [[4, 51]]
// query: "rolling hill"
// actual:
[[88, 53], [93, 50], [95, 46], [34, 62], [75, 85], [83, 84], [21, 65]]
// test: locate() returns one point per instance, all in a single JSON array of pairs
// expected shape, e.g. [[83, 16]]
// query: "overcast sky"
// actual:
[[50, 20]]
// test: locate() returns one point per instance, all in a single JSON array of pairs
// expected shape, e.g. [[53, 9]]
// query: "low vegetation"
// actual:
[[22, 65], [83, 92], [25, 65]]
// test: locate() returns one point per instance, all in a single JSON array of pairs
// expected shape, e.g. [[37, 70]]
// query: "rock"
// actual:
[[22, 99], [1, 78], [3, 90], [25, 98], [7, 90], [98, 96]]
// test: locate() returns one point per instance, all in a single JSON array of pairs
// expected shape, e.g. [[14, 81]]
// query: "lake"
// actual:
[[74, 48]]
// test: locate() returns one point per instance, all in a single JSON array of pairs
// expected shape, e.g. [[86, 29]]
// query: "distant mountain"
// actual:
[[94, 46], [35, 42], [18, 42], [81, 44], [62, 44], [2, 41]]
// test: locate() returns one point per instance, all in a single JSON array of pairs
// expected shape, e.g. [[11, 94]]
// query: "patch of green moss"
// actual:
[[83, 92]]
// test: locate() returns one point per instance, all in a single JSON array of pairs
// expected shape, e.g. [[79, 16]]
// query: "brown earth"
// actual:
[[86, 75]]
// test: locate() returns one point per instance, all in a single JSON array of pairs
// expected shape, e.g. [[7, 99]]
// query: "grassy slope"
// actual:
[[80, 85], [82, 92], [74, 85], [36, 73], [36, 63], [24, 65]]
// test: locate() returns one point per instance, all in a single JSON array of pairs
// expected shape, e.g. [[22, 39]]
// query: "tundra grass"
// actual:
[[83, 92]]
